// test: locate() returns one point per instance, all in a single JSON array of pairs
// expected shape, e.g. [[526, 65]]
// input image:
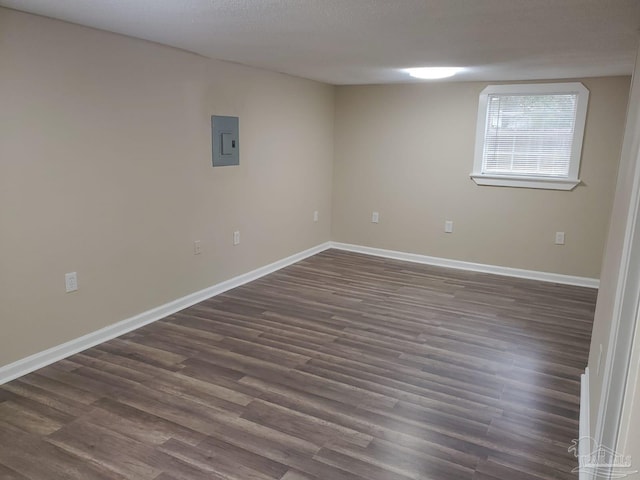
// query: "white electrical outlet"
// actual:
[[236, 237], [197, 247], [375, 217], [448, 226], [71, 281], [316, 216], [559, 238]]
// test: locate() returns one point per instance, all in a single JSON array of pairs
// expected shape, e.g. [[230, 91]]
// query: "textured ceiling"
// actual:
[[368, 41]]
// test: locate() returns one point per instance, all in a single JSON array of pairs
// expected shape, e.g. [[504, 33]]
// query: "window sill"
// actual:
[[525, 182]]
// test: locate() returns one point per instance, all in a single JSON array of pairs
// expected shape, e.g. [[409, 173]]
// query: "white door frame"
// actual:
[[627, 296]]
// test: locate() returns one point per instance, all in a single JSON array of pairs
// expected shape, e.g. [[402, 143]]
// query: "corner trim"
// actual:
[[46, 357], [584, 435], [473, 267]]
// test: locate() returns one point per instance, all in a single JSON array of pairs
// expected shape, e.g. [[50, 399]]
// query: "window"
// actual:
[[530, 135]]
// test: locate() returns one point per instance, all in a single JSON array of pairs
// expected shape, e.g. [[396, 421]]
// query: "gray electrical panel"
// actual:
[[225, 141]]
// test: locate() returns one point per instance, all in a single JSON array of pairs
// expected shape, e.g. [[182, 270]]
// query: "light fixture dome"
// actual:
[[433, 73]]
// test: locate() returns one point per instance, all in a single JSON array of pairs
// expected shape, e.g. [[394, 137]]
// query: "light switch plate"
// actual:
[[448, 226]]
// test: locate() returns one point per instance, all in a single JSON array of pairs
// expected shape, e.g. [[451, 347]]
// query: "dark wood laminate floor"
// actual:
[[341, 367]]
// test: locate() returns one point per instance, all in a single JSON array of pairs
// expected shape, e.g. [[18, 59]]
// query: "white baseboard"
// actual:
[[51, 355], [474, 267]]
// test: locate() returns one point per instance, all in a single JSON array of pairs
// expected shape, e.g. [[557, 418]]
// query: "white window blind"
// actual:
[[530, 132]]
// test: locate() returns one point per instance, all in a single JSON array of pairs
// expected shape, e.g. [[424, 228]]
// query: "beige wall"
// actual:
[[407, 151], [105, 169]]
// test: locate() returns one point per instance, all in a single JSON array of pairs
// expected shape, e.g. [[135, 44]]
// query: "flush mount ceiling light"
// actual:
[[433, 73]]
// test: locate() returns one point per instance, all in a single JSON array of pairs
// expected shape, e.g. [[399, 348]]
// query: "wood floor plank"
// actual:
[[8, 474], [340, 367], [140, 425], [315, 430], [225, 463], [35, 458], [382, 459], [31, 420], [246, 458], [93, 443]]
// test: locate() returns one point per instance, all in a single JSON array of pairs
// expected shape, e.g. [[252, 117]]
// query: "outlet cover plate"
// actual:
[[71, 281]]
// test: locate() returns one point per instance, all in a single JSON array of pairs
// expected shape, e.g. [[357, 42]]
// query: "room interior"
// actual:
[[106, 171]]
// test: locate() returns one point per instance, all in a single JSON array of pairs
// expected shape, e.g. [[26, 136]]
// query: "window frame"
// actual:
[[532, 181]]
